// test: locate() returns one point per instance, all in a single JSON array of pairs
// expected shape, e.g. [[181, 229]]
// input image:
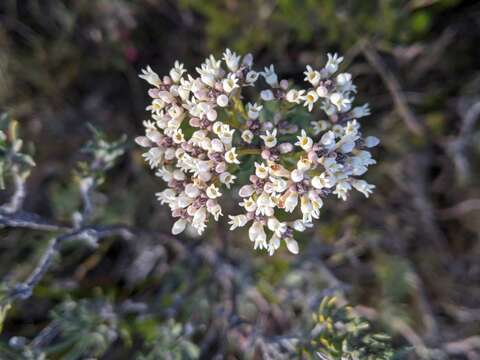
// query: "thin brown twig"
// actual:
[[393, 86]]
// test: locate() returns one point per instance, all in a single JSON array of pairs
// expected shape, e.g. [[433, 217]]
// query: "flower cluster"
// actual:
[[202, 134]]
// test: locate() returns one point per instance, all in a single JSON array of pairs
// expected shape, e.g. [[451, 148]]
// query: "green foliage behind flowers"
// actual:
[[339, 333]]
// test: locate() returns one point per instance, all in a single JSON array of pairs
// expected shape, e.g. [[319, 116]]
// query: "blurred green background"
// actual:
[[407, 258]]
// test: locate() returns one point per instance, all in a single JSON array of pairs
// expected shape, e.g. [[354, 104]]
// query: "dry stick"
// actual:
[[393, 87], [90, 234], [18, 197]]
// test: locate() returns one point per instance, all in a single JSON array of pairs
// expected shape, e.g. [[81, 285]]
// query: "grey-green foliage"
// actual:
[[170, 341], [340, 333], [85, 327], [102, 155], [12, 156]]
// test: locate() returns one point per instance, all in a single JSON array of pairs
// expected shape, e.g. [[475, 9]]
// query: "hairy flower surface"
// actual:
[[201, 133]]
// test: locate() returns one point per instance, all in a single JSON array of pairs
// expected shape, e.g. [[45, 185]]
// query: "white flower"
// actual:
[[261, 170], [323, 181], [247, 136], [230, 83], [295, 96], [291, 201], [304, 141], [257, 234], [371, 141], [266, 95], [361, 111], [265, 205], [227, 179], [154, 156], [277, 227], [312, 76], [237, 221], [217, 145], [179, 226], [246, 191], [292, 245], [273, 244], [249, 204], [231, 59], [270, 76], [304, 164], [279, 185], [310, 99], [199, 218], [222, 100], [150, 76], [341, 103], [252, 76], [270, 138], [215, 209], [322, 91], [341, 190], [178, 137], [213, 192], [328, 140], [177, 72], [297, 175], [253, 111], [364, 187], [231, 156], [192, 191], [332, 63]]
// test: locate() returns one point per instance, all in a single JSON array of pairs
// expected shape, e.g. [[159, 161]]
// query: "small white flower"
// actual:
[[249, 204], [253, 111], [179, 226], [322, 91], [230, 83], [297, 175], [257, 234], [178, 137], [341, 103], [252, 76], [291, 201], [304, 164], [310, 99], [265, 205], [246, 191], [364, 187], [304, 141], [361, 111], [231, 59], [328, 140], [227, 179], [276, 226], [247, 136], [237, 221], [371, 141], [150, 76], [292, 245], [295, 96], [213, 192], [270, 138], [266, 95], [177, 72], [270, 76], [312, 76], [323, 181], [261, 170], [231, 156], [332, 63], [222, 100]]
